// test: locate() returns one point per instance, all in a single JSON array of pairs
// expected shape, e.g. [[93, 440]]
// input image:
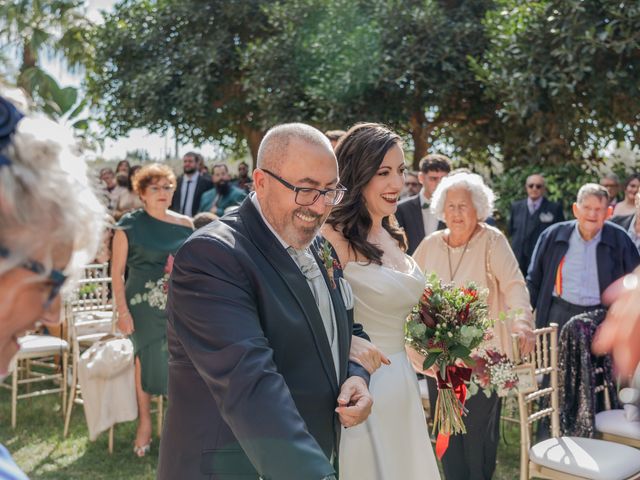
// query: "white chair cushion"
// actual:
[[615, 422], [33, 345], [92, 323], [587, 458], [424, 391]]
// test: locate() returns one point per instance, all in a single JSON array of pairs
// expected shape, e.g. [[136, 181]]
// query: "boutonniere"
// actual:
[[330, 263]]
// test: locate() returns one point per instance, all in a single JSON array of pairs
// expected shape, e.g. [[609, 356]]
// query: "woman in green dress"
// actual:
[[144, 244]]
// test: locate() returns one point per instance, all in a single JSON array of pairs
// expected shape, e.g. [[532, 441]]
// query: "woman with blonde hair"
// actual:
[[145, 242], [50, 225]]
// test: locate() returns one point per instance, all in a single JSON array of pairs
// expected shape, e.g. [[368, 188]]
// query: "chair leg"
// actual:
[[14, 394], [65, 360], [111, 440], [72, 395], [160, 414]]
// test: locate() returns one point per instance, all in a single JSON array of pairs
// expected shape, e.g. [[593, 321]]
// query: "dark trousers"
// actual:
[[562, 311], [472, 456]]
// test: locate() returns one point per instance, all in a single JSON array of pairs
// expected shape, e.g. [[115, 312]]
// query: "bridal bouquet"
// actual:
[[445, 327], [156, 294]]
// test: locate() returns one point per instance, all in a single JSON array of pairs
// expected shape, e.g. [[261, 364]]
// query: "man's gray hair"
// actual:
[[274, 145], [592, 189], [482, 196], [46, 198], [611, 176]]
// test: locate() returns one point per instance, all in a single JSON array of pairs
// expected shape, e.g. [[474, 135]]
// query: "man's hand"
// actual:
[[354, 402], [620, 332], [367, 354]]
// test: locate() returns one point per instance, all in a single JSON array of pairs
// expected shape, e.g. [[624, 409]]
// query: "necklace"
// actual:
[[452, 273]]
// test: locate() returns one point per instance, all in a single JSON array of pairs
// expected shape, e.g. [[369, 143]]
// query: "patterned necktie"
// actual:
[[311, 270]]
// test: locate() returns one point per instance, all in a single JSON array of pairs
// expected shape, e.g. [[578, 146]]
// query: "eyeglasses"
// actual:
[[165, 188], [537, 186], [56, 277], [411, 184], [307, 196]]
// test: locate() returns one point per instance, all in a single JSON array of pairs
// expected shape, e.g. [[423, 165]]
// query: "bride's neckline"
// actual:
[[412, 262]]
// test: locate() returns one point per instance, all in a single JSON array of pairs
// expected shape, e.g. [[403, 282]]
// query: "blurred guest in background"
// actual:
[[145, 243], [223, 194], [631, 223], [128, 199], [334, 136], [413, 213], [190, 187], [469, 250], [411, 185], [628, 205], [611, 182], [111, 190], [575, 261], [529, 217], [244, 180], [203, 218], [50, 224], [123, 167]]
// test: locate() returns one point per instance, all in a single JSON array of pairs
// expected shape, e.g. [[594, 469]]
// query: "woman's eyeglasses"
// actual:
[[308, 196], [157, 189], [56, 277]]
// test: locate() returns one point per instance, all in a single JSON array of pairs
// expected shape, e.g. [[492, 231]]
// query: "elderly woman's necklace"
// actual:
[[452, 273]]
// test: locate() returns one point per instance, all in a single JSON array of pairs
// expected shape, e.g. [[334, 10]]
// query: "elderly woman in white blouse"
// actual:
[[470, 250]]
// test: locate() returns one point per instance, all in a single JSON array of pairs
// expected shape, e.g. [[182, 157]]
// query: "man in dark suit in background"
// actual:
[[529, 218], [413, 213], [258, 335], [191, 185]]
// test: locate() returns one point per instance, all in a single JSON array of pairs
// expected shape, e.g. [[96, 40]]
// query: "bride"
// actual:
[[393, 442]]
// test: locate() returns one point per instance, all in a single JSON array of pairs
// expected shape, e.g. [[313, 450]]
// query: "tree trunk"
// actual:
[[28, 61], [419, 133], [253, 137]]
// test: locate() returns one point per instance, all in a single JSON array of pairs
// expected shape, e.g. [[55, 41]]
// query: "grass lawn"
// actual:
[[38, 448]]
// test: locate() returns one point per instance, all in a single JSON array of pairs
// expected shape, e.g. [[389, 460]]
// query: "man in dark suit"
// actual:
[[574, 262], [529, 218], [413, 213], [191, 185], [258, 335]]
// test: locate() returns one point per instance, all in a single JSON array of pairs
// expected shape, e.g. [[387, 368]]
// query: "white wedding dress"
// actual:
[[393, 443]]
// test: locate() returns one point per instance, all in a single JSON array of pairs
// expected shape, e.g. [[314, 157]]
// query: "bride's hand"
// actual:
[[367, 354]]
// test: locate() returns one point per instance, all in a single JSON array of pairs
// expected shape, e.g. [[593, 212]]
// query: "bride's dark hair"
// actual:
[[360, 153]]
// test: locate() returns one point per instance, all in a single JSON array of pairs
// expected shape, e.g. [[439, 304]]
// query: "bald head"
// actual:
[[275, 144]]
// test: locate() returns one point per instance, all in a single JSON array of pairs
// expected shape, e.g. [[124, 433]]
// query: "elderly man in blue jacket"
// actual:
[[575, 261]]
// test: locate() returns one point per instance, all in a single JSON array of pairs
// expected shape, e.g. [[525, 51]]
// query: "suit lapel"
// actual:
[[296, 282], [341, 318]]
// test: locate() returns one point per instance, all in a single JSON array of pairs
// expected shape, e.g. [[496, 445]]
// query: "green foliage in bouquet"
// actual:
[[448, 323]]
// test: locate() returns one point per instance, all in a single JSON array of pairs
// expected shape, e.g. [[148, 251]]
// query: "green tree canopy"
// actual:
[[565, 75]]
